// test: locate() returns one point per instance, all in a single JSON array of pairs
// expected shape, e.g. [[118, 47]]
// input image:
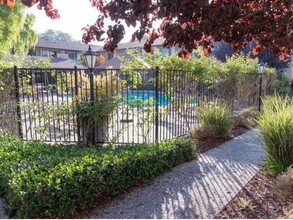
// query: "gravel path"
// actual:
[[197, 189]]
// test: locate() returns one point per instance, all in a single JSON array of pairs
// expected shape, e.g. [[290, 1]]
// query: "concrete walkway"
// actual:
[[197, 189]]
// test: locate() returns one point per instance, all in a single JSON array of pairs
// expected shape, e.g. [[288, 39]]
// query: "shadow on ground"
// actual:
[[197, 189]]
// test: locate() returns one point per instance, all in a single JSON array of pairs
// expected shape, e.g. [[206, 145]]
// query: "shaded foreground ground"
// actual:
[[197, 189], [210, 186], [263, 203], [258, 192]]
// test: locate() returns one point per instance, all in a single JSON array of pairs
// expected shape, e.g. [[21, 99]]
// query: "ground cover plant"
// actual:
[[40, 180]]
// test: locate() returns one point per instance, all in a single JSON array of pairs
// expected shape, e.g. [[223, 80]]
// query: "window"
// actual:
[[45, 53], [72, 55], [48, 53], [111, 56]]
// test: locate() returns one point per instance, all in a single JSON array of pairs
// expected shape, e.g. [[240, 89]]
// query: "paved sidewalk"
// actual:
[[197, 189]]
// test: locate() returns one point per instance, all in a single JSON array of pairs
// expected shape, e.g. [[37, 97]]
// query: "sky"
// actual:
[[74, 15]]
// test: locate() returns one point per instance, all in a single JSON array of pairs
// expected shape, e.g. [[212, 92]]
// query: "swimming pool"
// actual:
[[138, 98]]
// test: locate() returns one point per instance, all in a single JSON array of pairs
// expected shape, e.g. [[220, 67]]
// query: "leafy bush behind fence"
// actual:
[[151, 105], [8, 103]]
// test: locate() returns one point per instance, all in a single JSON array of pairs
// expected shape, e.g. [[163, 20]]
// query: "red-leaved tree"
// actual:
[[192, 23]]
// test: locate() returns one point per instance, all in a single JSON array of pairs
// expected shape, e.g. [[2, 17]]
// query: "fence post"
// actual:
[[18, 110], [259, 92], [76, 94], [92, 99], [157, 105]]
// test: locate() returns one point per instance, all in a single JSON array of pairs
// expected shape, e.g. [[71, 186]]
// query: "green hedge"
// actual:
[[39, 180]]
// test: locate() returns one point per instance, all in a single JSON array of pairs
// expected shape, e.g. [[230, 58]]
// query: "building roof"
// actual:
[[135, 44], [66, 64], [114, 63], [58, 63], [64, 45]]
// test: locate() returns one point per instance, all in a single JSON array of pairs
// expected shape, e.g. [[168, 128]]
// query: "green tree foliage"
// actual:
[[24, 61], [52, 35], [27, 37], [11, 23], [15, 29]]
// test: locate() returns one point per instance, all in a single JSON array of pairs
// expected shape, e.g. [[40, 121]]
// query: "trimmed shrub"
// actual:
[[216, 116], [276, 128], [39, 180]]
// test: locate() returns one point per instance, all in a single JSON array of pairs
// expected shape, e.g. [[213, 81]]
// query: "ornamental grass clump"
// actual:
[[284, 185], [246, 118], [217, 116], [276, 128]]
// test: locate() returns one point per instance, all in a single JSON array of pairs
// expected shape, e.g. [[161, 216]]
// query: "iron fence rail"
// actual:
[[106, 106]]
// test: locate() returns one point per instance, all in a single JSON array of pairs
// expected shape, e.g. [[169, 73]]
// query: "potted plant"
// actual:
[[94, 116]]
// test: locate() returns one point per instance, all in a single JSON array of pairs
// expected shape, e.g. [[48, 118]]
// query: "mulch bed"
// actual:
[[259, 191], [210, 143]]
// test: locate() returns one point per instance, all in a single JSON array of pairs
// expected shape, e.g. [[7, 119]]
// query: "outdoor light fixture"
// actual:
[[90, 58], [261, 69]]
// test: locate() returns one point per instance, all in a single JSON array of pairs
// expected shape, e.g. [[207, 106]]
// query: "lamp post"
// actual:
[[261, 68], [90, 60]]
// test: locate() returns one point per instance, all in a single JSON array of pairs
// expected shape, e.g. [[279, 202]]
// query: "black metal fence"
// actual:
[[8, 104], [105, 106]]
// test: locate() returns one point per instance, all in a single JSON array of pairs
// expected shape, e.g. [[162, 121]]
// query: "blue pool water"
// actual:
[[145, 98]]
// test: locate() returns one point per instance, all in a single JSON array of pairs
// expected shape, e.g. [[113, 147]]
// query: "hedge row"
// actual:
[[39, 180]]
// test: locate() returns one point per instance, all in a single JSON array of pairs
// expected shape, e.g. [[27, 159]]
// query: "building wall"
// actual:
[[119, 52], [47, 52], [109, 56]]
